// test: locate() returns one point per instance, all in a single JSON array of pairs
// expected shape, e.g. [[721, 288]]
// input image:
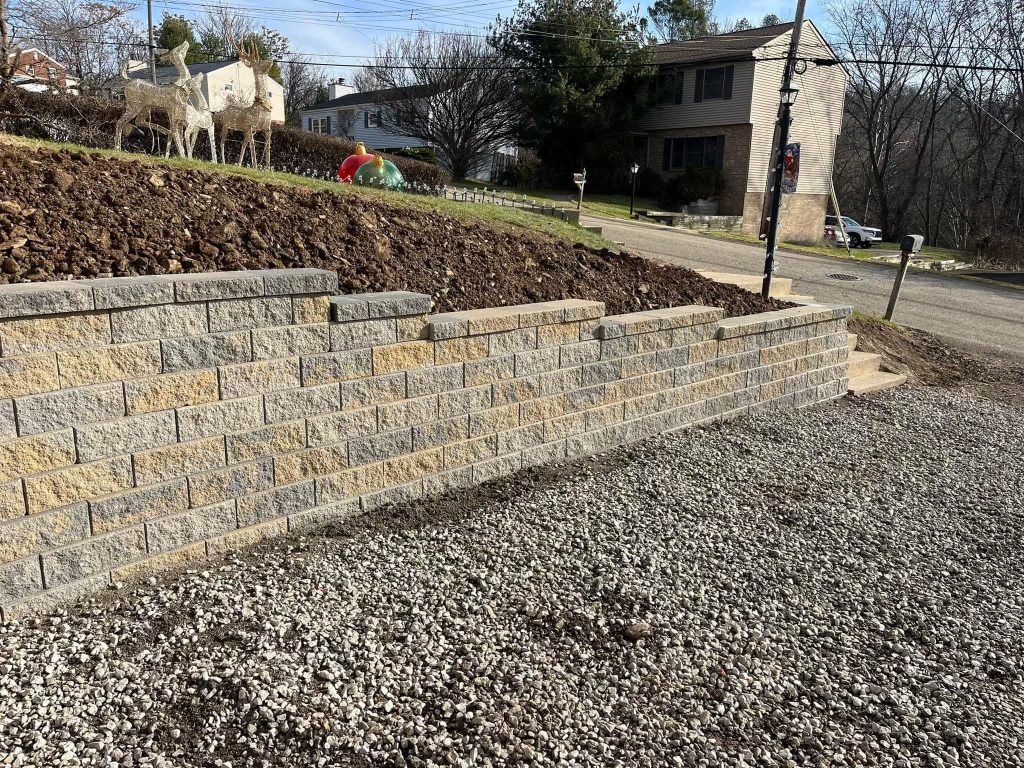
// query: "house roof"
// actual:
[[372, 97], [731, 46], [193, 69]]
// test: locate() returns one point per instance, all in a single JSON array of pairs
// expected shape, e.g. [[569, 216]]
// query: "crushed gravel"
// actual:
[[840, 586]]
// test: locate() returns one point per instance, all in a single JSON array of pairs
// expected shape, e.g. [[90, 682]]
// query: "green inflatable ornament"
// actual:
[[379, 173]]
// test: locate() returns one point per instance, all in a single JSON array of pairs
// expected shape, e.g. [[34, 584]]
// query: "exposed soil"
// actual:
[[77, 215]]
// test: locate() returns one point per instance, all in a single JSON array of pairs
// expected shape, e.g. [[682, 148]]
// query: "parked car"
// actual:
[[860, 237]]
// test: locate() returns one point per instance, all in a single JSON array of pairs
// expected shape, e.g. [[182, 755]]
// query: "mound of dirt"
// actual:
[[76, 215]]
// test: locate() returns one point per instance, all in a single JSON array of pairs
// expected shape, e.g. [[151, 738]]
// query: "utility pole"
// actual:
[[152, 47], [787, 95]]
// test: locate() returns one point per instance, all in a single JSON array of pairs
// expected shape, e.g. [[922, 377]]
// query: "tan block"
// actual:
[[32, 534], [703, 351], [564, 426], [405, 469], [773, 389], [28, 375], [247, 537], [491, 320], [352, 482], [35, 454], [176, 390], [179, 460], [315, 462], [259, 377], [165, 561], [460, 350], [412, 328], [78, 483], [12, 500], [493, 420], [783, 352], [266, 441], [402, 357], [311, 309], [544, 408], [80, 367], [470, 451], [558, 334], [48, 334]]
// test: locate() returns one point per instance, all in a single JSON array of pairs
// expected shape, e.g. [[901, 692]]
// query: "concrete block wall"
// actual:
[[146, 423]]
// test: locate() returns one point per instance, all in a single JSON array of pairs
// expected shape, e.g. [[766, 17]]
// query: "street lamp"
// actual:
[[632, 196], [787, 95]]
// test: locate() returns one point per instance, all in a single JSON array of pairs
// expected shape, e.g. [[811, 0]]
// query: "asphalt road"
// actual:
[[983, 316]]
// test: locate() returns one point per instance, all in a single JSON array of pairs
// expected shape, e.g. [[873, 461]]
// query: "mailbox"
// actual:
[[911, 243]]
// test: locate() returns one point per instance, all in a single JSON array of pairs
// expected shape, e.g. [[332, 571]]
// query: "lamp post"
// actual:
[[632, 195]]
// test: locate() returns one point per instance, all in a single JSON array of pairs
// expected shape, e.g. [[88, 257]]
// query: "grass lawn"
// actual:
[[493, 215], [605, 205], [860, 254]]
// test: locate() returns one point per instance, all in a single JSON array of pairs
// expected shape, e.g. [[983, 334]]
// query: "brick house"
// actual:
[[34, 70], [718, 106]]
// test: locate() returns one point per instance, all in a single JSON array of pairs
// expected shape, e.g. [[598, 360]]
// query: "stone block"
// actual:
[[510, 342], [266, 441], [489, 370], [307, 310], [733, 363], [54, 599], [544, 408], [177, 530], [462, 401], [99, 365], [542, 313], [431, 381], [493, 420], [406, 469], [402, 494], [412, 328], [259, 377], [311, 462], [579, 354], [164, 321], [349, 484], [544, 454], [25, 299], [248, 536], [279, 282], [97, 554], [164, 393], [50, 334], [220, 418], [617, 326], [290, 341], [291, 404], [769, 355], [738, 345], [406, 413], [557, 335], [536, 361], [28, 375], [320, 517], [684, 337], [677, 357], [564, 426], [231, 482], [179, 460], [207, 351], [26, 536], [19, 579], [211, 286], [336, 367], [123, 292], [363, 334], [347, 308], [280, 502], [386, 445], [397, 303], [123, 510], [8, 424], [614, 348], [589, 330], [449, 325], [703, 351], [580, 309], [53, 411], [35, 454], [406, 356], [373, 391], [601, 373], [470, 451], [491, 320], [637, 365], [190, 554], [650, 342], [128, 435], [521, 437], [245, 314], [63, 487], [499, 466], [440, 433], [12, 500], [460, 350], [342, 426], [527, 388], [688, 374], [445, 482], [605, 416]]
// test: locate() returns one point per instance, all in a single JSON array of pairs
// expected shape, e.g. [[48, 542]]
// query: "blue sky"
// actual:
[[341, 31]]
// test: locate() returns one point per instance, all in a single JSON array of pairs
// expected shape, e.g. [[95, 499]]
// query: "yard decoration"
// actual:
[[380, 173], [197, 118], [253, 118], [141, 98], [352, 163]]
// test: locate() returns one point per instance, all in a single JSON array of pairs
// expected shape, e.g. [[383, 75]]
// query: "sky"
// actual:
[[340, 32]]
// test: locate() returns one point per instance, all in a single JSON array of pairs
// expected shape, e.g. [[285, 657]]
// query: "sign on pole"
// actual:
[[580, 179]]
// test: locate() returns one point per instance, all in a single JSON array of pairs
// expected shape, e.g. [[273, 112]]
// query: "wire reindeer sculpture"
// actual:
[[252, 118], [197, 117], [141, 98]]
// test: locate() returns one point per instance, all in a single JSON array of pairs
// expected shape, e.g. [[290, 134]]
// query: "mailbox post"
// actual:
[[909, 245], [580, 179]]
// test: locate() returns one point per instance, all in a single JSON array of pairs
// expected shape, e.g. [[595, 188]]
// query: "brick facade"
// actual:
[[37, 65], [802, 217], [147, 423]]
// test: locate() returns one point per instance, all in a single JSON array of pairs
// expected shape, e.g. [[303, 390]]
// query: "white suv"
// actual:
[[860, 237]]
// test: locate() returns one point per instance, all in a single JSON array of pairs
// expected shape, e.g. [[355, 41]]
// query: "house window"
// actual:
[[31, 69], [320, 124], [713, 84], [699, 151], [228, 87], [51, 73], [670, 87], [371, 119]]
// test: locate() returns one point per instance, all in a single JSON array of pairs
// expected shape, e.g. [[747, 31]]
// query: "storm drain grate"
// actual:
[[841, 276]]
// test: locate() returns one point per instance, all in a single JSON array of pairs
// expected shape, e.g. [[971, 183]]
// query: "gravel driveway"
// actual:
[[836, 587]]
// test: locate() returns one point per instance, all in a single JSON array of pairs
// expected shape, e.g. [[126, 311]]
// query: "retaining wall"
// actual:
[[149, 422]]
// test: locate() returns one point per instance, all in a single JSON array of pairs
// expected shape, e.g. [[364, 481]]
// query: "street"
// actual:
[[987, 317]]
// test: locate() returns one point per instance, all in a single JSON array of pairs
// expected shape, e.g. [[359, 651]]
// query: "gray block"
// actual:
[[128, 435], [368, 450], [336, 367], [194, 525], [51, 411], [430, 381], [397, 303], [601, 373], [137, 506], [363, 334], [544, 454], [220, 418], [166, 321], [290, 341], [312, 519], [406, 413], [347, 308], [443, 482], [291, 404], [620, 347], [279, 282], [29, 299], [536, 361], [499, 466], [521, 437], [260, 312], [462, 401], [207, 351], [401, 494], [230, 483], [373, 391], [439, 433], [92, 556], [338, 427], [7, 423], [24, 536], [447, 326], [572, 355], [209, 286], [508, 342], [122, 292], [280, 502], [19, 579]]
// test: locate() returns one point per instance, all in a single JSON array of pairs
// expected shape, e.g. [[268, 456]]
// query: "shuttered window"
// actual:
[[697, 151], [714, 83]]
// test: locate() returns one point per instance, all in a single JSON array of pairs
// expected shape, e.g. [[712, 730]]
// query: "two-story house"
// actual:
[[35, 70], [719, 105]]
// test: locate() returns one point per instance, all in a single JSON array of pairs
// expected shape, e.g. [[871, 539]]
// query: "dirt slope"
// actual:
[[69, 215]]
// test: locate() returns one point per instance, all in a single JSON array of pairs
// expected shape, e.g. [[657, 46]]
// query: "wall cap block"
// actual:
[[55, 298], [731, 327]]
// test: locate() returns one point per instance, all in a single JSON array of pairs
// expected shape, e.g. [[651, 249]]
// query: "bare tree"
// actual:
[[454, 93], [8, 51], [303, 85]]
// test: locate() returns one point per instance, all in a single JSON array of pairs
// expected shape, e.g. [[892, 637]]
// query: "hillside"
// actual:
[[76, 214]]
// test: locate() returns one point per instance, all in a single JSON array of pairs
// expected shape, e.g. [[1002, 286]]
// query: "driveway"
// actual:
[[980, 315]]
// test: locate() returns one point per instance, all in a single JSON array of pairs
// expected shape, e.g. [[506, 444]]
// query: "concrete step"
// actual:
[[781, 286], [875, 382], [796, 298], [851, 341], [864, 363]]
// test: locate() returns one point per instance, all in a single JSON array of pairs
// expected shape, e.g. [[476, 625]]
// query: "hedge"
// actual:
[[90, 121]]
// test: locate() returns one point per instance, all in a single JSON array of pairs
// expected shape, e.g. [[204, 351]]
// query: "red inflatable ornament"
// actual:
[[348, 168]]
